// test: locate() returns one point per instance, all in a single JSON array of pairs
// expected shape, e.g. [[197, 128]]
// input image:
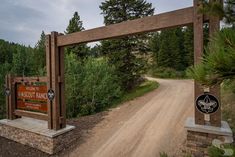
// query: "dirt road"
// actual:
[[143, 127]]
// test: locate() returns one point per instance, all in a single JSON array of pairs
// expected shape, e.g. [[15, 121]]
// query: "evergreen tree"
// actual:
[[23, 62], [4, 70], [219, 60], [16, 59], [229, 12], [40, 55], [154, 44], [75, 25], [188, 45], [124, 53], [96, 51], [169, 51], [6, 51], [215, 8]]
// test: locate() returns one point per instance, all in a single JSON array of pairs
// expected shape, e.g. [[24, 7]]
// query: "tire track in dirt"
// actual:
[[145, 126]]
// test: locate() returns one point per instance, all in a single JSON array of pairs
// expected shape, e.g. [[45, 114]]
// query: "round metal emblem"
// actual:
[[207, 103]]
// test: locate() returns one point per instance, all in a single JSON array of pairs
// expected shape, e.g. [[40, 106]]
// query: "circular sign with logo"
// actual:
[[7, 92], [50, 94], [207, 103]]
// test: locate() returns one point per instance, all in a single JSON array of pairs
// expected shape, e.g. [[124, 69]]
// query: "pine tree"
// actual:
[[23, 62], [154, 44], [219, 60], [124, 53], [6, 51], [4, 70], [188, 45], [215, 8], [16, 59], [168, 47], [229, 12], [96, 51], [76, 25], [40, 55]]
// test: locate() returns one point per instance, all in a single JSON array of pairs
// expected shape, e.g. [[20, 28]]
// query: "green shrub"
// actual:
[[229, 85], [163, 154], [228, 102], [218, 63], [91, 85], [162, 72], [4, 69], [216, 152]]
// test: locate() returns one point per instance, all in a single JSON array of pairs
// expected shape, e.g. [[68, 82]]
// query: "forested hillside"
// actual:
[[21, 61]]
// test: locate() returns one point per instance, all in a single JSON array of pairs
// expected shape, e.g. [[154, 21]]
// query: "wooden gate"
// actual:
[[55, 43]]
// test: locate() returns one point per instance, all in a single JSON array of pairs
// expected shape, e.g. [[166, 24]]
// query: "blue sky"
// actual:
[[22, 21]]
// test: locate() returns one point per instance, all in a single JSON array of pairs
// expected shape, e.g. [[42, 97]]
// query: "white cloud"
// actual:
[[22, 21]]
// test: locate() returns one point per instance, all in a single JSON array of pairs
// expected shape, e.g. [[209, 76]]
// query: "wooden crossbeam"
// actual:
[[30, 79], [176, 18], [35, 115]]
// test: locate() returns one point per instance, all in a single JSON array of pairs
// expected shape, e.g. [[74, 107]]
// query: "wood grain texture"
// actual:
[[153, 23], [54, 80], [214, 27], [49, 82], [7, 98], [198, 51], [30, 79], [62, 88], [35, 115]]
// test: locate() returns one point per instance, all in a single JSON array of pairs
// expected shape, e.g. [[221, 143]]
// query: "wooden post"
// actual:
[[62, 87], [55, 74], [198, 51], [214, 26], [7, 98], [54, 81], [49, 76], [11, 98]]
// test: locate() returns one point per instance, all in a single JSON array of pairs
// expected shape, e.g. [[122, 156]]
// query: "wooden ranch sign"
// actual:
[[32, 98]]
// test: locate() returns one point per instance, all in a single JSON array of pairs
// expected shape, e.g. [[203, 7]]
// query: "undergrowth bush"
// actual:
[[91, 85], [162, 72], [163, 154], [4, 68], [216, 152], [228, 102]]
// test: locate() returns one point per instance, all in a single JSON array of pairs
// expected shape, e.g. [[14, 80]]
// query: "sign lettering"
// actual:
[[32, 98]]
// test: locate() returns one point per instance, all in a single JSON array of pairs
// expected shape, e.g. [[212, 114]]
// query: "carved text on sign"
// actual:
[[33, 98]]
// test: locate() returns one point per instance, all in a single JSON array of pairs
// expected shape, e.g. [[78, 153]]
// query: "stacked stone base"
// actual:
[[200, 137], [197, 143], [48, 141]]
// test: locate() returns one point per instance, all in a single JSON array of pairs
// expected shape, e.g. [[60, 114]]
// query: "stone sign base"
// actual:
[[200, 137], [34, 133]]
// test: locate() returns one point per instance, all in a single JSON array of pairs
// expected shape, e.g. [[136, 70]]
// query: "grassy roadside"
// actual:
[[167, 73], [228, 105], [143, 88]]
